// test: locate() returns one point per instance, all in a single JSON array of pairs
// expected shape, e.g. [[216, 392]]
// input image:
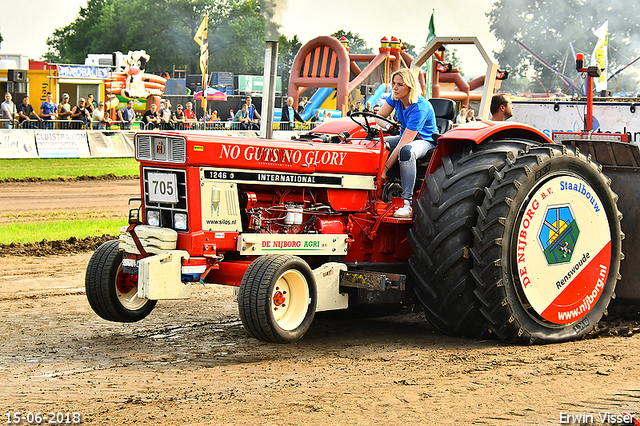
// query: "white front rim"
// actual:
[[290, 300], [127, 291]]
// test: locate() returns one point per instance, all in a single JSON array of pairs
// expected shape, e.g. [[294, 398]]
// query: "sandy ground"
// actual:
[[191, 362]]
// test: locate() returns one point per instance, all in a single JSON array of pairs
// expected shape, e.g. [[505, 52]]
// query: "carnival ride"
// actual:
[[325, 62], [133, 84]]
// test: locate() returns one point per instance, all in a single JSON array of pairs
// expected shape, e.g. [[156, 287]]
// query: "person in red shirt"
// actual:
[[189, 116]]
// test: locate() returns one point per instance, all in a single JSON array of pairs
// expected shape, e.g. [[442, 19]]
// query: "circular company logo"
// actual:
[[562, 272]]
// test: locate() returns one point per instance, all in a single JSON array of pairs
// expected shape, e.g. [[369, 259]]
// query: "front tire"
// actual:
[[548, 247], [277, 298], [111, 293]]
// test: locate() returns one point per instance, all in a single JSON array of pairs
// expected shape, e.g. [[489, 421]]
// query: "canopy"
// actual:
[[212, 95]]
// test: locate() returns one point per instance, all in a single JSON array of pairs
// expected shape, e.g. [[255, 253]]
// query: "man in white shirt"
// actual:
[[99, 120], [8, 109]]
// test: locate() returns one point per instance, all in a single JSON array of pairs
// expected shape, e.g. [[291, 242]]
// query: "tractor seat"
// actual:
[[445, 110]]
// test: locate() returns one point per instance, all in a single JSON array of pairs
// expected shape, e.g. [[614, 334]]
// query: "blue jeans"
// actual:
[[407, 157]]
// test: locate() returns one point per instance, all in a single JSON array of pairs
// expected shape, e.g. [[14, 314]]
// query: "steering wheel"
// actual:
[[366, 126]]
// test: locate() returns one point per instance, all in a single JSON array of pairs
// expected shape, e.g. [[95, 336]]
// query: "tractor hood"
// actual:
[[265, 154]]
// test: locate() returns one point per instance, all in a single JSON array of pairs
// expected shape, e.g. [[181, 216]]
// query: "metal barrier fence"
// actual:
[[139, 125], [224, 125]]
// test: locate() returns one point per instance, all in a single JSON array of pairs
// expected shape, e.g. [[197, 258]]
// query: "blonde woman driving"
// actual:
[[417, 125]]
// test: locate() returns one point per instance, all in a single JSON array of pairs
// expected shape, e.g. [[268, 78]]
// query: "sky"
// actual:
[[27, 29]]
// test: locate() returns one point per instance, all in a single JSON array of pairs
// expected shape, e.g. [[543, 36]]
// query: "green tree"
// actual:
[[287, 51], [548, 26], [411, 49], [451, 56], [239, 40], [356, 43], [165, 30]]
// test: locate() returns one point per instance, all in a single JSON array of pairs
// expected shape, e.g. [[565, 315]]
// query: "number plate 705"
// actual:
[[163, 187]]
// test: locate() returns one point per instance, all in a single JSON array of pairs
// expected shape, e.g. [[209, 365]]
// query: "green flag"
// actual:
[[432, 29], [429, 67]]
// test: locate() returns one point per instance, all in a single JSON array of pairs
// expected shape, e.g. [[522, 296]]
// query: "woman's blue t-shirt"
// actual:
[[418, 116]]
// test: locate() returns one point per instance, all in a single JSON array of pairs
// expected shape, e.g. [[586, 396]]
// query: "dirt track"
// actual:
[[30, 197], [191, 362]]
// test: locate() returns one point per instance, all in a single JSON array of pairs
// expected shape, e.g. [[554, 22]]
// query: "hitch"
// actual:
[[373, 281], [134, 220]]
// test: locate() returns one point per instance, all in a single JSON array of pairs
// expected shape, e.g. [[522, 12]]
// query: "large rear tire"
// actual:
[[277, 298], [548, 247], [441, 236], [111, 293]]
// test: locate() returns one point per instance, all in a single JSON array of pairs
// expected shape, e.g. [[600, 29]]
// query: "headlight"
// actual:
[[180, 221], [153, 218]]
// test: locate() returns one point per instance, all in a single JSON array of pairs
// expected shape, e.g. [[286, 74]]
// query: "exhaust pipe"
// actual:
[[269, 89]]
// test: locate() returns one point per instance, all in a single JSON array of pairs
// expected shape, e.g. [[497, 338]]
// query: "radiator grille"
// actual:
[[167, 210], [161, 148]]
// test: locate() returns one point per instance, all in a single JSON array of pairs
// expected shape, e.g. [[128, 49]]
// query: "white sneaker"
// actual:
[[405, 211]]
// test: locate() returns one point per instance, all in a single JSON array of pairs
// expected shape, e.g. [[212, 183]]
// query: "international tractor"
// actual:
[[513, 236]]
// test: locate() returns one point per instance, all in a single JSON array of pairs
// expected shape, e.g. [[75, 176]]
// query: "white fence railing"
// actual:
[[73, 142], [139, 125]]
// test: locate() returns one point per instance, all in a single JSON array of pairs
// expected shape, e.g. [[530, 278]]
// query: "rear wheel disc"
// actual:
[[562, 253]]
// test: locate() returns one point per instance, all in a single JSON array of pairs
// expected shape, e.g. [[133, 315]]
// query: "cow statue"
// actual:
[[134, 87]]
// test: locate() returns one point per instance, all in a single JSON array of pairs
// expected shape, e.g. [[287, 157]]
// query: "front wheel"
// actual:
[[548, 247], [112, 294], [277, 299]]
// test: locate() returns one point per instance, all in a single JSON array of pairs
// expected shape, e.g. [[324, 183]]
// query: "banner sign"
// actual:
[[549, 117], [17, 144], [80, 71], [111, 144], [255, 83], [62, 144]]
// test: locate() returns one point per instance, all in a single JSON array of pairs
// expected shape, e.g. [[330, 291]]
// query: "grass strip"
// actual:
[[66, 168], [47, 216], [28, 232]]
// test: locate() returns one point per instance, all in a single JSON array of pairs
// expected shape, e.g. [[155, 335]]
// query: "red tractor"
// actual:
[[512, 235]]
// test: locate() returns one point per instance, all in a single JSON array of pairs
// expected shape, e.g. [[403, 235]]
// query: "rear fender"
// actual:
[[480, 132]]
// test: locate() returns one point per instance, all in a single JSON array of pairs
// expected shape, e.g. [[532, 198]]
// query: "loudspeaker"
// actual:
[[367, 89], [193, 81], [16, 75]]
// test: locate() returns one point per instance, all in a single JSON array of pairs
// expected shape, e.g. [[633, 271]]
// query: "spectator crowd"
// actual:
[[88, 114]]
